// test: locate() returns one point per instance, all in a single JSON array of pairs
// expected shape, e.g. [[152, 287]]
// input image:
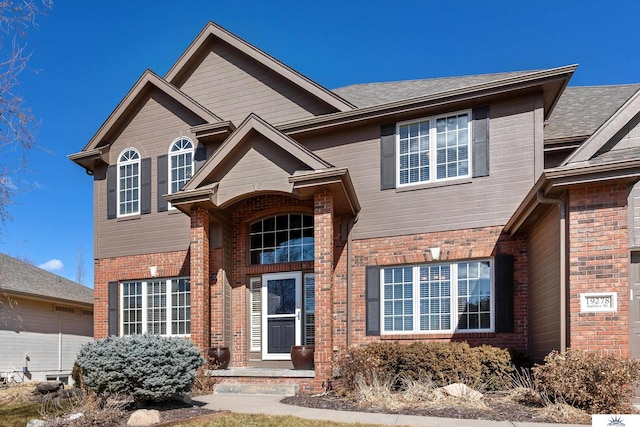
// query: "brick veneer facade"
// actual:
[[454, 245], [200, 280], [169, 264], [599, 262], [596, 214]]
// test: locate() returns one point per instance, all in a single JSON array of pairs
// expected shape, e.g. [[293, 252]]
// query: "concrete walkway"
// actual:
[[270, 405]]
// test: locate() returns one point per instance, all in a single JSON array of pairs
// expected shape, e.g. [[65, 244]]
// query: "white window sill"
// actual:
[[426, 185], [129, 217]]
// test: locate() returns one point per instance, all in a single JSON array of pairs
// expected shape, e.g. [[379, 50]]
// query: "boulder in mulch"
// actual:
[[460, 391], [144, 417]]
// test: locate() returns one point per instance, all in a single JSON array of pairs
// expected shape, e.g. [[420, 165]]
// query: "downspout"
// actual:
[[561, 203], [350, 225], [59, 342]]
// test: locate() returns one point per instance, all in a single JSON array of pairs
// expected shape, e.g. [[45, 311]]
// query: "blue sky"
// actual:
[[86, 55]]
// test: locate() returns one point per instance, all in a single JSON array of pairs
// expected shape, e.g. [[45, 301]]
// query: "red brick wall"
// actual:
[[598, 262], [200, 280], [454, 245], [169, 264], [323, 270]]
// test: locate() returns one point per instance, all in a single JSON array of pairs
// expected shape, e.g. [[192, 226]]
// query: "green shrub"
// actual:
[[588, 380], [147, 367], [443, 363]]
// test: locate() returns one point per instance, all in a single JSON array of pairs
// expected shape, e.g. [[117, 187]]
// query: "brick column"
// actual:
[[323, 269], [200, 289], [598, 262]]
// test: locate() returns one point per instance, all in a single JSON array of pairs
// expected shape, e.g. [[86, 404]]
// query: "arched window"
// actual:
[[129, 182], [281, 238], [180, 163]]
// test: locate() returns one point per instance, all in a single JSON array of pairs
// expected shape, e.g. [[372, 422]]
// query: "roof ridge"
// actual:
[[440, 78]]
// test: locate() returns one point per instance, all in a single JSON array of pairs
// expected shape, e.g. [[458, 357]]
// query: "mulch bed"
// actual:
[[498, 408]]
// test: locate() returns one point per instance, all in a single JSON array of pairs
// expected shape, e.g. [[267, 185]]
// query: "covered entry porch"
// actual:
[[263, 251]]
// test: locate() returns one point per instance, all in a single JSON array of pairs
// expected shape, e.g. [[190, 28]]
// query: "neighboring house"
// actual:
[[242, 204], [43, 316]]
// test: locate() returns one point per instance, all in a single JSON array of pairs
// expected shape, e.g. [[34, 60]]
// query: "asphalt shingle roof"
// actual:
[[371, 94], [18, 276], [581, 110]]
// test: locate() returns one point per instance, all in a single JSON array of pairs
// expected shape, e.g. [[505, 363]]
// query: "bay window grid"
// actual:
[[433, 149], [437, 298]]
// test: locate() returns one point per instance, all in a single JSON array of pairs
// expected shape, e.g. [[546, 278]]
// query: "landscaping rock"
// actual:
[[143, 418], [36, 423], [75, 416], [461, 391]]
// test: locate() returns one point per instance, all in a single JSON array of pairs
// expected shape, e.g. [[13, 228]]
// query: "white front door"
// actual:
[[282, 317]]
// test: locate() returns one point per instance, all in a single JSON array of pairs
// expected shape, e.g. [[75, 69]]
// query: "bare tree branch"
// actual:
[[17, 126]]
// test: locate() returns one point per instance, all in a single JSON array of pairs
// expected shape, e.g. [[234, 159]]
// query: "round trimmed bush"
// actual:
[[147, 367]]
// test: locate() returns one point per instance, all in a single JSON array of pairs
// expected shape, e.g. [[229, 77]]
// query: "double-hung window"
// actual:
[[129, 183], [433, 149], [158, 306], [434, 298]]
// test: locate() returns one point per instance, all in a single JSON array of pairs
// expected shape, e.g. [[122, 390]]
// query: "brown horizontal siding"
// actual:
[[259, 165], [233, 85], [480, 202], [544, 289], [151, 131]]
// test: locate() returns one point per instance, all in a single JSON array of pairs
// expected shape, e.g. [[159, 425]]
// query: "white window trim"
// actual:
[[453, 308], [125, 163], [144, 308], [433, 149], [170, 154]]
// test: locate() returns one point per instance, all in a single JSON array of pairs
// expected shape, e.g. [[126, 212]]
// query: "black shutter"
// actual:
[[163, 186], [480, 149], [388, 156], [112, 191], [372, 297], [504, 293], [200, 157], [145, 186], [113, 308]]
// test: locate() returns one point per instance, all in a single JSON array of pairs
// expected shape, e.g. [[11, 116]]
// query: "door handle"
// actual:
[[297, 313]]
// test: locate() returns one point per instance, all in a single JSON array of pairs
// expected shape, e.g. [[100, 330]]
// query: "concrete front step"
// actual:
[[248, 388]]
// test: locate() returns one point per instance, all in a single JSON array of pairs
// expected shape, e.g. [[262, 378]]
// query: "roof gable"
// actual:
[[606, 133], [148, 79], [176, 74], [253, 124]]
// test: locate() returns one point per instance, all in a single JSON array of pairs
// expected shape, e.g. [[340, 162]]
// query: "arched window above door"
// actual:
[[281, 239]]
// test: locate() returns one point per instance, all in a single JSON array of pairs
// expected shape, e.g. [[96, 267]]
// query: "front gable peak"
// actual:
[[212, 30], [253, 124]]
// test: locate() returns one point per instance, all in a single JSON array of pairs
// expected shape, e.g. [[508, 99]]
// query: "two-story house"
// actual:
[[240, 203]]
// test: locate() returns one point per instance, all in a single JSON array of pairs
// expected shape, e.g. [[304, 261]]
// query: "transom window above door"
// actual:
[[281, 238]]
